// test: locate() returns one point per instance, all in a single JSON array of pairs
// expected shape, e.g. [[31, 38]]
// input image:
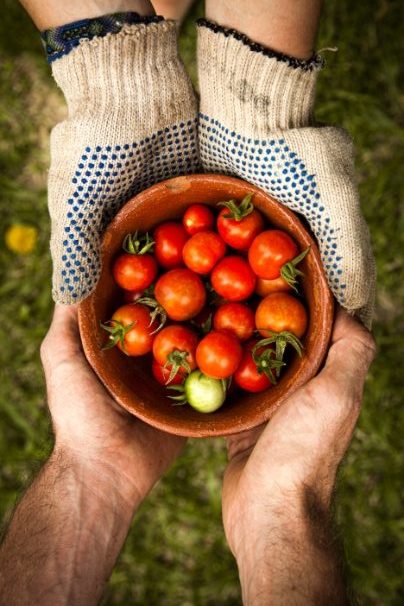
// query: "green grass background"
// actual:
[[176, 553]]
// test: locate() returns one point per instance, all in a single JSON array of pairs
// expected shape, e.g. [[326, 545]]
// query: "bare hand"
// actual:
[[273, 470], [88, 424]]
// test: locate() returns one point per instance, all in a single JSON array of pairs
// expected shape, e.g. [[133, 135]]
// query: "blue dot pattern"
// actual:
[[273, 166], [106, 177]]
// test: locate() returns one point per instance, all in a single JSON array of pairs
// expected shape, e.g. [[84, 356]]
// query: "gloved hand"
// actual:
[[256, 122], [132, 121]]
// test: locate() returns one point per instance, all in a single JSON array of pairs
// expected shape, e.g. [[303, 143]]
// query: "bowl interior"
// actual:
[[130, 380]]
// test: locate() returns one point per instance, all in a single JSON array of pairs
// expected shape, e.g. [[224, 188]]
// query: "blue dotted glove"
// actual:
[[132, 121], [256, 123]]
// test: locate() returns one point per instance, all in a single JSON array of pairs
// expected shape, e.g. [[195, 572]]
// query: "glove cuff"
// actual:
[[250, 88], [130, 72]]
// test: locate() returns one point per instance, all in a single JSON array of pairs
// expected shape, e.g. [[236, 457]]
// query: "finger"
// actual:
[[344, 322], [64, 329], [63, 339], [351, 353], [65, 321]]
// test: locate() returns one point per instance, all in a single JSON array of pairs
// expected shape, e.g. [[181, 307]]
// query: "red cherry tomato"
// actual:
[[181, 293], [270, 250], [247, 376], [197, 218], [139, 339], [266, 287], [236, 318], [203, 251], [233, 279], [169, 239], [162, 375], [175, 338], [281, 311], [239, 234], [134, 272], [218, 354]]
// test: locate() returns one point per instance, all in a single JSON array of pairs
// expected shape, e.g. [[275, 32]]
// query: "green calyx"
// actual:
[[280, 340], [213, 298], [136, 244], [226, 383], [177, 361], [180, 399], [289, 271], [116, 333], [205, 327], [266, 362], [158, 312], [238, 210]]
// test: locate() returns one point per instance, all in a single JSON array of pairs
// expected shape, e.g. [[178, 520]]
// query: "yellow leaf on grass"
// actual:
[[21, 238]]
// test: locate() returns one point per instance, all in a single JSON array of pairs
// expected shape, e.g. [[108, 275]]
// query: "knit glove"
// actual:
[[256, 122], [132, 121]]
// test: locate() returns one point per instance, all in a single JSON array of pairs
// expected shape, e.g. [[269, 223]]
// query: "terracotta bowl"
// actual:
[[129, 380]]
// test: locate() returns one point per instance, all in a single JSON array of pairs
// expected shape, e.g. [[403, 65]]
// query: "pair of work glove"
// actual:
[[133, 120]]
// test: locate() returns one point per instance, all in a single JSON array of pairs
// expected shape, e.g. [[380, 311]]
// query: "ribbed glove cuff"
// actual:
[[241, 79], [135, 67]]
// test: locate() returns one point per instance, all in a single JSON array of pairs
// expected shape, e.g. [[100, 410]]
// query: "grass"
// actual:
[[175, 553]]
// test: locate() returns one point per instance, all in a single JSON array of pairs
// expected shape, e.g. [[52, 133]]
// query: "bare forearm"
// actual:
[[52, 13], [295, 560], [65, 536], [287, 26]]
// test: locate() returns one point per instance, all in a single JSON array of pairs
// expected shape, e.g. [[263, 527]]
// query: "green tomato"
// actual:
[[204, 393]]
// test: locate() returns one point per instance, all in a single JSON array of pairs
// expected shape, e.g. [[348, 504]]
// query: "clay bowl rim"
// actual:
[[308, 370]]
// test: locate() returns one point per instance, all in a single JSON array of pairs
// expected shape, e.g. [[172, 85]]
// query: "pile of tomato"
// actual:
[[214, 298]]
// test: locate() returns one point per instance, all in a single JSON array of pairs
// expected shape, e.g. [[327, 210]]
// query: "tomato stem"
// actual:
[[289, 271], [266, 362], [226, 383], [117, 333], [158, 312], [238, 210], [213, 297], [179, 399], [136, 244], [205, 327], [281, 340], [177, 359]]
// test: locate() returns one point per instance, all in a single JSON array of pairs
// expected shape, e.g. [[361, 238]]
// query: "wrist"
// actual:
[[288, 511], [289, 26], [296, 534], [56, 14], [105, 479], [66, 534]]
